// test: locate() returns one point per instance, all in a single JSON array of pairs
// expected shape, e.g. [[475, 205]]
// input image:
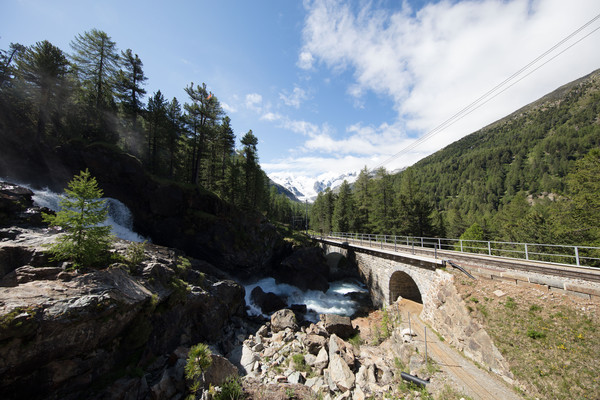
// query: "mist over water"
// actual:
[[334, 301]]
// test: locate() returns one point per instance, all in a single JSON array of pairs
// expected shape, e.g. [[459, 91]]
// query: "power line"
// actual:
[[485, 98]]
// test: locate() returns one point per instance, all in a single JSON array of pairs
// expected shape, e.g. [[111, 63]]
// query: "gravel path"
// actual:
[[468, 378]]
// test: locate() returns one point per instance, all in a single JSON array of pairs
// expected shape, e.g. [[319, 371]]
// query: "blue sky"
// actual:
[[330, 86]]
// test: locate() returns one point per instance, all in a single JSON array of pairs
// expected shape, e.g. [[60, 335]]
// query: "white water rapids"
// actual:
[[334, 301]]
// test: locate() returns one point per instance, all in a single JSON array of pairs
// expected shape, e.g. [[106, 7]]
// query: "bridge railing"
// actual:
[[561, 254]]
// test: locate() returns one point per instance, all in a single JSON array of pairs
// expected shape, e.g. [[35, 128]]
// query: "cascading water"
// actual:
[[119, 216], [334, 301]]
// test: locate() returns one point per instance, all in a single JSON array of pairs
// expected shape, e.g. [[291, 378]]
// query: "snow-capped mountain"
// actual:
[[307, 188]]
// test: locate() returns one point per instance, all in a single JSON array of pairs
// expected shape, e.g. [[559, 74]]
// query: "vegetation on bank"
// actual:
[[531, 177], [96, 94], [551, 342]]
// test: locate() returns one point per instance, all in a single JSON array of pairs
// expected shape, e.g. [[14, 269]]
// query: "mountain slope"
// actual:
[[531, 150]]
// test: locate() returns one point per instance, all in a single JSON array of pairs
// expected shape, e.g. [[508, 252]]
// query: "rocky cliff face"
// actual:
[[67, 334]]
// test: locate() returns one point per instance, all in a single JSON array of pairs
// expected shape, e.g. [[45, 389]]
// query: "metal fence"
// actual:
[[554, 253]]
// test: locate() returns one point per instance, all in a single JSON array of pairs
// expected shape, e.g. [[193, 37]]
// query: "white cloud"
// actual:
[[305, 60], [294, 99], [271, 117], [228, 108], [439, 60], [254, 101]]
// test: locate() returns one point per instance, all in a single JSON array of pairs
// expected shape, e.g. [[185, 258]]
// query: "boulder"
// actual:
[[341, 348], [306, 269], [220, 369], [322, 359], [338, 325], [282, 320], [314, 343], [268, 302], [340, 373]]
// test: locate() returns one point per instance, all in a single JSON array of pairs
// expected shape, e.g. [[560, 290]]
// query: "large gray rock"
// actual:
[[268, 302], [340, 373], [338, 325], [322, 359], [283, 319], [341, 348], [314, 343], [220, 369]]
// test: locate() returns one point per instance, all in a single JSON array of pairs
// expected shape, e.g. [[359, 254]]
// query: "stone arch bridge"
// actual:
[[415, 275], [388, 274]]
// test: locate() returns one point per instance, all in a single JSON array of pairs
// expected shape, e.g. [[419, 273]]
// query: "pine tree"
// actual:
[[96, 62], [362, 196], [157, 128], [343, 210], [85, 242], [44, 68], [129, 81], [202, 114], [251, 169], [382, 210]]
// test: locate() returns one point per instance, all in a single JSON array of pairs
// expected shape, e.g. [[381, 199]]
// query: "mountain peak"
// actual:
[[307, 188]]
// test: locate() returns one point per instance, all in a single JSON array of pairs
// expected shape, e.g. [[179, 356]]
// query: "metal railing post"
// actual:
[[577, 255], [489, 249], [461, 247], [526, 252]]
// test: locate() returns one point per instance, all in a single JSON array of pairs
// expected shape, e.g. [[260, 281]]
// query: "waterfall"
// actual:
[[119, 216]]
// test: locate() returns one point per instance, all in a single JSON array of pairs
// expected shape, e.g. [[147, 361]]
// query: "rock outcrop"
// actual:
[[329, 366], [68, 334]]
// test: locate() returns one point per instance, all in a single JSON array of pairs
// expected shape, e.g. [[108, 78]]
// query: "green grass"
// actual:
[[552, 349]]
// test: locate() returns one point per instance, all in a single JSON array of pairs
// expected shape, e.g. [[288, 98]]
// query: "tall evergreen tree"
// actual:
[[382, 203], [96, 62], [174, 132], [129, 85], [157, 129], [343, 211], [362, 197], [225, 146], [414, 209], [44, 68], [202, 114], [251, 169], [6, 58]]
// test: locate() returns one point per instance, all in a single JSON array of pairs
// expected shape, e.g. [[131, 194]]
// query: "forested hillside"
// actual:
[[533, 176], [95, 94]]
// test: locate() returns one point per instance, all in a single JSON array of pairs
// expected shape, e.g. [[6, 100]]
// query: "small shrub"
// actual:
[[510, 303], [134, 254], [300, 363], [533, 334], [198, 361], [183, 264], [231, 390], [290, 393], [534, 308], [355, 340]]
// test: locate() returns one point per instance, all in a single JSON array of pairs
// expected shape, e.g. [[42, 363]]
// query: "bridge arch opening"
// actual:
[[402, 284]]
